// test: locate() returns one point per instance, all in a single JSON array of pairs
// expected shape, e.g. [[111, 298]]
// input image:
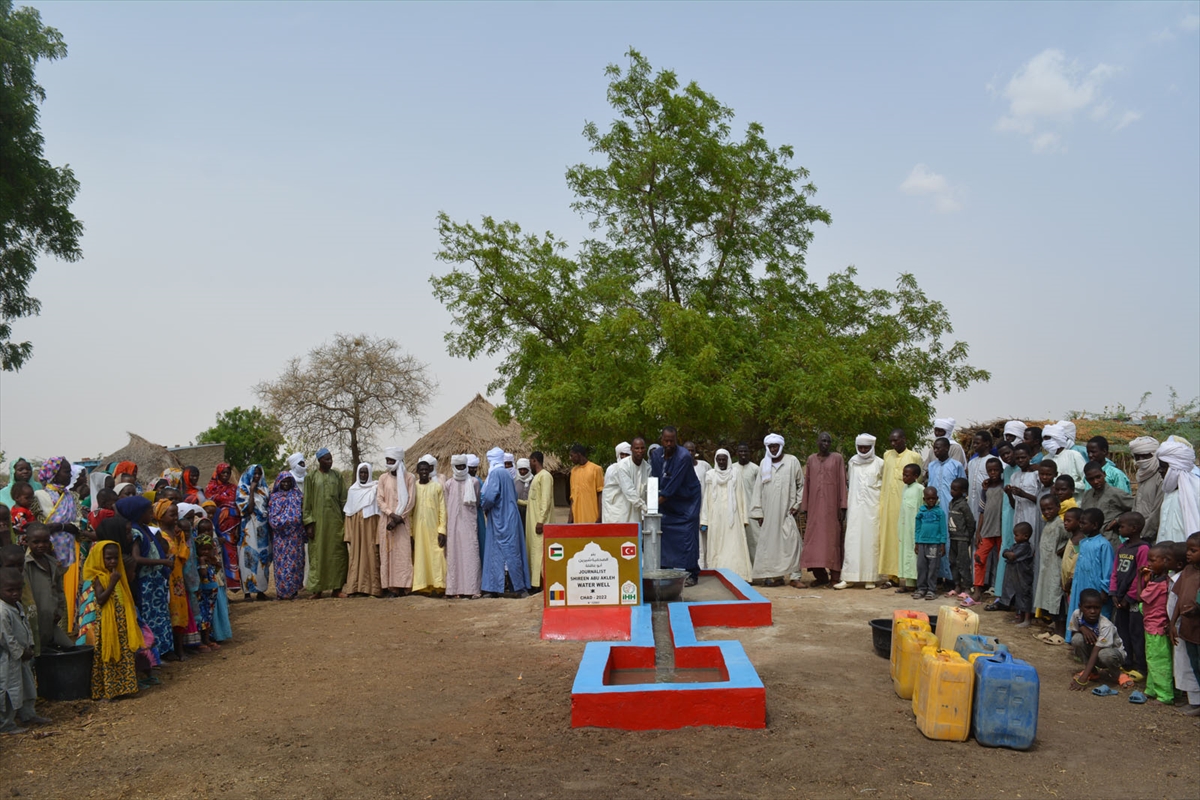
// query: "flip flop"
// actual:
[[1056, 639], [1043, 637], [968, 601], [1137, 676], [1137, 698], [1124, 681], [1104, 691]]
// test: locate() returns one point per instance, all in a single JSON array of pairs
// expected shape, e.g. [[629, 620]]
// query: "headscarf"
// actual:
[[191, 493], [121, 486], [946, 425], [49, 469], [512, 471], [1180, 458], [722, 477], [284, 507], [495, 458], [1058, 439], [132, 509], [430, 460], [76, 471], [1016, 428], [859, 441], [125, 468], [259, 507], [223, 494], [191, 508], [94, 572], [1146, 467], [1068, 429], [115, 529], [397, 455], [6, 492], [296, 470], [173, 476], [624, 448], [95, 484], [458, 469], [767, 466], [361, 494], [523, 463]]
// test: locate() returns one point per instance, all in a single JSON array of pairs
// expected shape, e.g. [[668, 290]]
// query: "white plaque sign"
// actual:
[[592, 577]]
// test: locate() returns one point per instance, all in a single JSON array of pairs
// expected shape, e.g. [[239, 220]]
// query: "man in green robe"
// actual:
[[324, 498]]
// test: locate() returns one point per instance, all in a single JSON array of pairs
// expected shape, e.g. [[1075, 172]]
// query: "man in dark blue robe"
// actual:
[[679, 504]]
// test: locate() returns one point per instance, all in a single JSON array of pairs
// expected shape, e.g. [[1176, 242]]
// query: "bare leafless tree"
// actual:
[[346, 393]]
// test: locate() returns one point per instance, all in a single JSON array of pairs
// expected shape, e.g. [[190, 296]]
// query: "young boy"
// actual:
[[910, 504], [1047, 593], [1093, 566], [1111, 501], [987, 533], [977, 470], [1094, 639], [1097, 450], [1018, 577], [929, 538], [1160, 681], [1064, 490], [17, 690], [1124, 587], [1070, 554], [13, 555], [1187, 612], [44, 577], [961, 524]]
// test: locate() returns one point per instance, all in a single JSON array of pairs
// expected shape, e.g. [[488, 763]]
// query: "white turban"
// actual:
[[1058, 439], [1016, 428], [361, 495], [297, 469], [859, 441], [946, 425], [458, 469], [509, 458], [766, 467], [397, 455], [428, 459], [523, 464], [472, 460], [1146, 467], [722, 477], [624, 449], [1179, 456], [495, 458], [1068, 429], [191, 508]]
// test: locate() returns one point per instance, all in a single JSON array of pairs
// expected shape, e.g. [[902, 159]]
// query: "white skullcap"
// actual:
[[523, 463], [427, 459]]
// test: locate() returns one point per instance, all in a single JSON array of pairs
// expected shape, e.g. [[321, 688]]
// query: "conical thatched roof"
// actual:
[[473, 429], [151, 458]]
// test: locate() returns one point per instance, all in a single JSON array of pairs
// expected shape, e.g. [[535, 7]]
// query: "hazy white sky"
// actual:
[[256, 177]]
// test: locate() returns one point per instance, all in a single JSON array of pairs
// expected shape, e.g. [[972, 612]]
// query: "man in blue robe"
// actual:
[[679, 504], [505, 551]]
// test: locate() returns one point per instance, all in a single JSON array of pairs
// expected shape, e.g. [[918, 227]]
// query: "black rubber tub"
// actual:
[[881, 635], [65, 674]]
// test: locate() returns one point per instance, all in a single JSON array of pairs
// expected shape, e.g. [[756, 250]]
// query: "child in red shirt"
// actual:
[[1160, 682]]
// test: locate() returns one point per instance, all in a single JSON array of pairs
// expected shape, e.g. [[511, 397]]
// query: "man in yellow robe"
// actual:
[[892, 492], [539, 510]]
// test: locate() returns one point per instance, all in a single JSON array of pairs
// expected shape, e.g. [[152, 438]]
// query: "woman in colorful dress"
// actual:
[[254, 542], [166, 513], [190, 480], [59, 507], [227, 521], [107, 621], [19, 469], [285, 515], [154, 563]]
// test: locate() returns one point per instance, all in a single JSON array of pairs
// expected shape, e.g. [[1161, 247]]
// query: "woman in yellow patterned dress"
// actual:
[[107, 620]]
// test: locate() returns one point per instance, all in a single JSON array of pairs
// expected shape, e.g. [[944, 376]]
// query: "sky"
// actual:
[[258, 176]]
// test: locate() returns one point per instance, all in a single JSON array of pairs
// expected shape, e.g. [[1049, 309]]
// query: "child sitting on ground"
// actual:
[[961, 523], [17, 689], [1094, 640], [1124, 587], [1018, 577], [987, 533], [1154, 586], [1093, 565], [929, 537], [44, 577]]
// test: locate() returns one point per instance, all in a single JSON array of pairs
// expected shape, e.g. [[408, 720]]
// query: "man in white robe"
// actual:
[[780, 482], [746, 473], [614, 506], [862, 515], [702, 467], [1180, 513], [631, 476], [723, 517]]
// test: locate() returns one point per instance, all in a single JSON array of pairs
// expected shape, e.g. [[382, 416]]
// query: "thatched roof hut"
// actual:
[[473, 429], [151, 458]]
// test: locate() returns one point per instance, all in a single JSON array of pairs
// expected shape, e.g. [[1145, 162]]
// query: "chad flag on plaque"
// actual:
[[558, 595]]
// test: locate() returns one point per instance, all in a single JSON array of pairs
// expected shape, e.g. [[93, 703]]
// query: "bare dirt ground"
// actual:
[[428, 698]]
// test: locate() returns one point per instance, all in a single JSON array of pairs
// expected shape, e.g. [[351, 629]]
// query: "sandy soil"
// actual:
[[429, 698]]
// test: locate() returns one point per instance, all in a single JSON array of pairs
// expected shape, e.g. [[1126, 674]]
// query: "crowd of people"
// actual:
[[142, 570]]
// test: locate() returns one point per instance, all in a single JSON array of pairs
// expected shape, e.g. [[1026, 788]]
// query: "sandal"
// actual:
[[1137, 698], [1056, 639], [1137, 676], [1043, 637], [968, 601], [1104, 691], [994, 607]]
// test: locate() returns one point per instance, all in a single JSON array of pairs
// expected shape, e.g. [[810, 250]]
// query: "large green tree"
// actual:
[[250, 436], [35, 196], [692, 304]]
